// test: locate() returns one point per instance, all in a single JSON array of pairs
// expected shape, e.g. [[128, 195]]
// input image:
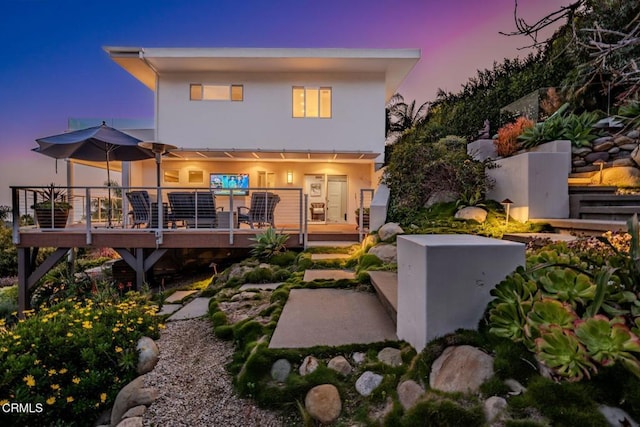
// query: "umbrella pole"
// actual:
[[108, 192]]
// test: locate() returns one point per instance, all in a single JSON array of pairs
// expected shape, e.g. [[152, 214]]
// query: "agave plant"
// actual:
[[609, 341], [579, 128], [268, 243], [569, 286], [560, 350], [630, 113]]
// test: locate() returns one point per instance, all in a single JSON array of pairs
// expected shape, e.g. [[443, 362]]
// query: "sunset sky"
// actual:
[[53, 66]]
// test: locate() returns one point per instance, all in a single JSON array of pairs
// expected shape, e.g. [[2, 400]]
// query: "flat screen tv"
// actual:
[[224, 183]]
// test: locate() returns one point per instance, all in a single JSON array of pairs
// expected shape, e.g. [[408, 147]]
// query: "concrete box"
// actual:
[[536, 182], [444, 282]]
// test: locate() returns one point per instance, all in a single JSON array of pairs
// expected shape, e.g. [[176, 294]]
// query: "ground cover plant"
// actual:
[[72, 357]]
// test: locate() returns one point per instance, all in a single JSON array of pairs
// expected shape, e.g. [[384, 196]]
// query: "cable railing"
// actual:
[[157, 208]]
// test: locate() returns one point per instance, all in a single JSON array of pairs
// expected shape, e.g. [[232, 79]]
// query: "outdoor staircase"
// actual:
[[386, 286], [601, 203]]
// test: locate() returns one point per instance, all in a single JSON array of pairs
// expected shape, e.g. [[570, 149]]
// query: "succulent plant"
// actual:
[[547, 312], [567, 285], [508, 320], [609, 341], [515, 288], [560, 350]]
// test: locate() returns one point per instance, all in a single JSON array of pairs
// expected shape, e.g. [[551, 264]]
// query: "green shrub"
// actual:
[[73, 358], [367, 261], [443, 412], [268, 243], [284, 259], [8, 301], [224, 332], [219, 319]]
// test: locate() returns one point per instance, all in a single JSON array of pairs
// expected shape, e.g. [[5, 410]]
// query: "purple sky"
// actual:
[[53, 66]]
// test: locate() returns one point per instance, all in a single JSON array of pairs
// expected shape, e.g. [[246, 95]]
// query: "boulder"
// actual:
[[136, 411], [581, 151], [592, 157], [358, 357], [613, 150], [238, 271], [323, 403], [389, 230], [133, 394], [340, 365], [494, 409], [616, 416], [627, 161], [604, 146], [635, 156], [386, 252], [633, 134], [390, 356], [623, 140], [409, 392], [578, 163], [131, 422], [602, 139], [482, 149], [461, 369], [514, 386], [309, 364], [280, 370], [368, 382], [628, 147], [442, 196], [472, 213], [148, 355], [620, 176]]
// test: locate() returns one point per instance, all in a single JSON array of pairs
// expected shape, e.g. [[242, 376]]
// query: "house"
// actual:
[[270, 118]]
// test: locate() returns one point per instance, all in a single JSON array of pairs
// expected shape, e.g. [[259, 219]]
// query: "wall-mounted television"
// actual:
[[224, 183]]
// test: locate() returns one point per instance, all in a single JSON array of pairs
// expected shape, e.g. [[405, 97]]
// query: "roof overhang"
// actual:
[[228, 154], [146, 63]]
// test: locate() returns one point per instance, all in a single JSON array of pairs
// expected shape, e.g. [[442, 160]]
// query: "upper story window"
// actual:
[[200, 92], [312, 102]]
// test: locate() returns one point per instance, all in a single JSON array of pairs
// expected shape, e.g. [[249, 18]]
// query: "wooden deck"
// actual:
[[142, 248]]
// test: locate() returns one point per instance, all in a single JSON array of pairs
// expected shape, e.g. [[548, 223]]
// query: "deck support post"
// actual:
[[139, 263], [28, 274]]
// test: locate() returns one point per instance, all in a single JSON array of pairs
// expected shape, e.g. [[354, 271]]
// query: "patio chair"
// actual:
[[263, 204], [195, 210], [317, 211], [141, 207]]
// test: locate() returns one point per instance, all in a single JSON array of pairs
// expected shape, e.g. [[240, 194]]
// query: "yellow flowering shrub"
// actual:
[[72, 358]]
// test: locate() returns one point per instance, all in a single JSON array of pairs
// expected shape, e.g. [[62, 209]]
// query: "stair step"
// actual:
[[386, 286], [527, 237]]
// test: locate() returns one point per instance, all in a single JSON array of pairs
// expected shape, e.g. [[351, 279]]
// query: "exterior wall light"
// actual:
[[289, 177]]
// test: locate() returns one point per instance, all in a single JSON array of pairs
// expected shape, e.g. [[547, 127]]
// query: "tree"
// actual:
[[5, 211], [602, 38], [401, 116]]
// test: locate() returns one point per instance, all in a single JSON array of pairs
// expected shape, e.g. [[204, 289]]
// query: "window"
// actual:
[[171, 175], [311, 102], [196, 177], [200, 92]]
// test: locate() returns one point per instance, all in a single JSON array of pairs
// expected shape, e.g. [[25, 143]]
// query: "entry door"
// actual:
[[337, 198]]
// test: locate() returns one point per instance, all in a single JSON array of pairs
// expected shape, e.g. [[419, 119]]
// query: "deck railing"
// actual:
[[184, 208]]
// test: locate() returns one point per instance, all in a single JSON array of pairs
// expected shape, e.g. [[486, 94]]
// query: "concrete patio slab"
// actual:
[[261, 286], [310, 275], [169, 309], [179, 296], [325, 257], [196, 308], [332, 317]]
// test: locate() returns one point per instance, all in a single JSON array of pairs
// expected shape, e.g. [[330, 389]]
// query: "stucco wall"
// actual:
[[264, 118]]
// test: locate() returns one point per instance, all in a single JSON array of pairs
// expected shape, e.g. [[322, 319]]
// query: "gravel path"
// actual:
[[194, 388]]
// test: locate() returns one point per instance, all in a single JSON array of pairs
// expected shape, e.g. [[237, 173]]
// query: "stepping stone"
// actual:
[[325, 257], [178, 296], [261, 286], [330, 244], [169, 309], [331, 317], [196, 308], [310, 275]]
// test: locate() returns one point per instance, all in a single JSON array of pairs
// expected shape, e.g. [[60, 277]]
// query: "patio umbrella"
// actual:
[[98, 143]]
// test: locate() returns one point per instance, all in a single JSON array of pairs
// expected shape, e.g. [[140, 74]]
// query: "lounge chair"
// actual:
[[260, 213], [195, 210], [141, 207]]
